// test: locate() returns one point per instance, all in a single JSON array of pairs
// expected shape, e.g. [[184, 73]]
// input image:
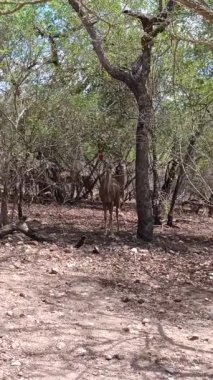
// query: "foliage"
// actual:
[[71, 109]]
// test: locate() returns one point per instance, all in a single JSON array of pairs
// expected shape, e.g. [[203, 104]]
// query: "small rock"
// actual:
[[54, 271], [194, 337], [53, 248], [177, 299], [161, 311], [96, 250], [126, 329], [67, 250], [81, 351], [171, 370], [9, 313], [125, 299], [16, 363], [137, 281], [210, 315], [118, 356], [108, 357], [144, 251], [141, 300], [134, 250], [33, 242], [21, 315], [90, 324], [145, 320], [22, 295], [16, 265], [61, 345], [206, 339]]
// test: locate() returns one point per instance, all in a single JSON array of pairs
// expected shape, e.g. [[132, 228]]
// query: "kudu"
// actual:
[[121, 178], [111, 190]]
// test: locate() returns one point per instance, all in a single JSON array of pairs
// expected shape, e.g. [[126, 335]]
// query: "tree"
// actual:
[[136, 78], [46, 60], [201, 8]]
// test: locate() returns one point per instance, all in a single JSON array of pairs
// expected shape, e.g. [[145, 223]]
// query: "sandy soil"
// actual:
[[130, 311]]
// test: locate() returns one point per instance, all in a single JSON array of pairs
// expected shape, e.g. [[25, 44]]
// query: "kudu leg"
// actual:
[[105, 220], [117, 218], [110, 219]]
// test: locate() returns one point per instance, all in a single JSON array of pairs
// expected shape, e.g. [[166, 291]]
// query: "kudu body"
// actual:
[[121, 178], [111, 191]]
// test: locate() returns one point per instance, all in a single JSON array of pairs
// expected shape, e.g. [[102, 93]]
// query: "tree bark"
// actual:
[[199, 8], [143, 194], [174, 196], [169, 177], [4, 206], [210, 205], [156, 195]]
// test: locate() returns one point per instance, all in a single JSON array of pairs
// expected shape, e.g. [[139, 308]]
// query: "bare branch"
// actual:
[[191, 40], [19, 5], [97, 42], [53, 46], [152, 26], [196, 7]]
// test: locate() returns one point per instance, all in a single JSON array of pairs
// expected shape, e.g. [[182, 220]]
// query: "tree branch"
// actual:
[[152, 26], [191, 40], [19, 5], [53, 46], [97, 42], [196, 7]]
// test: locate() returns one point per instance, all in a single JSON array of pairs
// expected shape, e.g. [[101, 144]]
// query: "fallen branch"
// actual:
[[22, 226]]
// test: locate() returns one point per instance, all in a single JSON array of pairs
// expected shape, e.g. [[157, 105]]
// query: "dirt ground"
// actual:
[[128, 311]]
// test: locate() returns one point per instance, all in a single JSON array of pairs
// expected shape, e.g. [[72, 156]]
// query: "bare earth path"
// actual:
[[130, 312]]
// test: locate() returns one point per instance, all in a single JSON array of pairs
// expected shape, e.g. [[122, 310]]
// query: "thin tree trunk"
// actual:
[[186, 161], [174, 196], [4, 206], [20, 199], [169, 177], [156, 196], [210, 205]]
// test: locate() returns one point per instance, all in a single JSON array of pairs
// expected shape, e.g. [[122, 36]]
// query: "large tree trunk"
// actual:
[[143, 194], [156, 195]]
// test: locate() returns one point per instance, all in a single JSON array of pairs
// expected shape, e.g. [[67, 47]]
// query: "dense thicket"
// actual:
[[60, 108]]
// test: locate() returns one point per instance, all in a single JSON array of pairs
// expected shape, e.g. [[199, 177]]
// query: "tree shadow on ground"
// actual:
[[156, 365], [94, 337]]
